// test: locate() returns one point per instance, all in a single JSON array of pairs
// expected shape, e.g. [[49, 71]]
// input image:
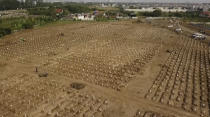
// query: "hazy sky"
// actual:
[[163, 1]]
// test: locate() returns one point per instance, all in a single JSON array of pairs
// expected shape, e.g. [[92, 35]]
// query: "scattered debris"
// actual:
[[60, 34], [22, 39], [51, 53], [168, 51], [77, 86], [43, 74], [170, 26], [138, 113], [165, 66], [36, 69]]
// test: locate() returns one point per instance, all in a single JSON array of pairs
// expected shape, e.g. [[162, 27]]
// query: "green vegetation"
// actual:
[[11, 24], [156, 13], [45, 13], [78, 8], [123, 12], [9, 4], [110, 15], [14, 4], [51, 11], [4, 31], [197, 19], [190, 16], [102, 18], [28, 24], [187, 16]]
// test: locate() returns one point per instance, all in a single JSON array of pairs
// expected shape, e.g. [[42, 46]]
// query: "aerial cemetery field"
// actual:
[[104, 69]]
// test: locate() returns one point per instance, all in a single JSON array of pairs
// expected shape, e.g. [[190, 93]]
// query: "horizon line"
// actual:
[[107, 1]]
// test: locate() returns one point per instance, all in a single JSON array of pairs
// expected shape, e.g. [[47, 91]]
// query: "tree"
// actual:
[[22, 4], [157, 13], [111, 13], [132, 7], [78, 8], [9, 4], [121, 9], [51, 11], [179, 14], [39, 2], [29, 3]]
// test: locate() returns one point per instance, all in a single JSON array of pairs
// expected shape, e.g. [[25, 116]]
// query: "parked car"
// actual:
[[178, 30], [198, 36]]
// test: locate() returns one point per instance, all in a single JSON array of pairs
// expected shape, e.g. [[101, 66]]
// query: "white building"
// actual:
[[84, 17], [163, 9]]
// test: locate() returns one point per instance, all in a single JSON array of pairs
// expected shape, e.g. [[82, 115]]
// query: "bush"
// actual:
[[9, 4], [157, 13], [9, 25], [28, 25], [101, 18], [78, 8], [42, 11], [5, 31]]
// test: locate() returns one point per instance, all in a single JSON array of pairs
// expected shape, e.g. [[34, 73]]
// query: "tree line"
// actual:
[[9, 4], [14, 4]]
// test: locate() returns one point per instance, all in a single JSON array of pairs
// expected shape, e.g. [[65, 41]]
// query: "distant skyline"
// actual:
[[160, 1]]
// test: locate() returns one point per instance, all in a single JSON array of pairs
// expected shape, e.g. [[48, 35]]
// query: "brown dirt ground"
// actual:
[[118, 62]]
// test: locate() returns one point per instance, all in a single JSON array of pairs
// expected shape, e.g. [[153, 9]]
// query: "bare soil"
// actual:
[[103, 69]]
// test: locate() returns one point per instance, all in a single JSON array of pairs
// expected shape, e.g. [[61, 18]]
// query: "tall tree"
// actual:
[[22, 3], [157, 13], [39, 2], [9, 4], [29, 3]]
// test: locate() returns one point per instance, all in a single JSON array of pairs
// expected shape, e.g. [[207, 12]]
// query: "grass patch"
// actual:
[[9, 25]]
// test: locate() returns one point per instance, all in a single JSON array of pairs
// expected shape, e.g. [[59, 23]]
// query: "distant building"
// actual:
[[32, 2], [163, 9], [83, 17], [59, 10], [205, 14], [205, 8]]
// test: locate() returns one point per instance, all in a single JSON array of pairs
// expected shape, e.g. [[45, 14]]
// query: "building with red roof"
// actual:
[[205, 14], [59, 11]]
